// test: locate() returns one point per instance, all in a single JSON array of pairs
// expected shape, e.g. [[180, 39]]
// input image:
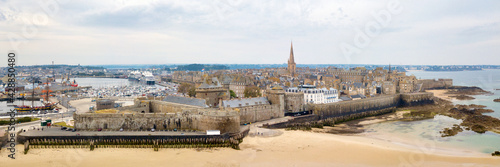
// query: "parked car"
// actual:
[[69, 129], [100, 129], [64, 128], [74, 130]]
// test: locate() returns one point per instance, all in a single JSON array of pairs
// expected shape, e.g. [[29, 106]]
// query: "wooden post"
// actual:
[[26, 146]]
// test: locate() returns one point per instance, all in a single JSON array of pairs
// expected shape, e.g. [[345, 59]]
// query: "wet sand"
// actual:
[[442, 93]]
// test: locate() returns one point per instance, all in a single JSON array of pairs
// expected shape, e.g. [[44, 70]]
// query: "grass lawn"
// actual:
[[106, 111], [63, 124], [18, 120]]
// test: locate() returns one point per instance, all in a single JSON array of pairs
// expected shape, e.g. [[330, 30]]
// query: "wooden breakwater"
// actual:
[[154, 142], [3, 138]]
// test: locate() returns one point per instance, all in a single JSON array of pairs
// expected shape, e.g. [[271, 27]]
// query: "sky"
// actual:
[[398, 32]]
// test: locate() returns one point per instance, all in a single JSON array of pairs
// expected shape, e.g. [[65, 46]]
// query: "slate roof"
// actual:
[[186, 101], [344, 98], [358, 96], [250, 101], [358, 85]]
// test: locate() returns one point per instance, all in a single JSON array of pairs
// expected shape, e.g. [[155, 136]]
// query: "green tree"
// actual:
[[233, 95], [192, 92], [184, 88], [252, 91]]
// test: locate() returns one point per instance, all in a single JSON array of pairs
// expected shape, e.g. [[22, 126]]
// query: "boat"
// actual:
[[134, 76], [47, 106], [148, 78], [73, 84]]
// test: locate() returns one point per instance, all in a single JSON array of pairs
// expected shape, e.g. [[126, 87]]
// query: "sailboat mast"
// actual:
[[33, 93]]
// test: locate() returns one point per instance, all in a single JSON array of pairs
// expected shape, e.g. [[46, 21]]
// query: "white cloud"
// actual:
[[237, 31]]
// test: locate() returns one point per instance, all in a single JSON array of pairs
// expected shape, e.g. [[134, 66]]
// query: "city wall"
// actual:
[[355, 106], [349, 110], [226, 122], [168, 107], [294, 102], [260, 113], [432, 83], [161, 116], [413, 99]]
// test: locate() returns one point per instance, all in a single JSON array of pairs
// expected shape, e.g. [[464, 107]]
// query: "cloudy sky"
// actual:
[[251, 32]]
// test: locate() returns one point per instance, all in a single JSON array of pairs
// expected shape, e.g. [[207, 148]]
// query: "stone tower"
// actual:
[[291, 62], [277, 96]]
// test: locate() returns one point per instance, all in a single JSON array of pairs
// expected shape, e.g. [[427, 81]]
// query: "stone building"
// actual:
[[315, 95], [212, 91], [188, 77], [102, 104], [294, 102], [407, 84], [276, 95], [388, 88], [254, 109], [352, 89], [238, 88]]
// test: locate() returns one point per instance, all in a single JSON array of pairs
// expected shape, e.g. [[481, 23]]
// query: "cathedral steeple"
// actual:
[[291, 61]]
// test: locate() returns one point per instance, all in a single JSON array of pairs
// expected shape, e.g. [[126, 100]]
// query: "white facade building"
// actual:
[[317, 96]]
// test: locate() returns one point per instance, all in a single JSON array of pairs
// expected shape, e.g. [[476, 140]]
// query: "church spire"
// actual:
[[291, 59]]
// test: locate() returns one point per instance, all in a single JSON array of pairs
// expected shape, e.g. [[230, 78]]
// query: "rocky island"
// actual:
[[463, 97], [497, 100]]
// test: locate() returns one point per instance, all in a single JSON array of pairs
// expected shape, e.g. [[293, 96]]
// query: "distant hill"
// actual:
[[50, 66], [199, 67]]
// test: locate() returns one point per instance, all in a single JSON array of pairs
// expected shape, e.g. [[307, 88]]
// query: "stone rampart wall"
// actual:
[[257, 113], [196, 119], [168, 107], [370, 106], [431, 83], [294, 102]]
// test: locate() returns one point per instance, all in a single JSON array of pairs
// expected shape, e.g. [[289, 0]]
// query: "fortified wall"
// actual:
[[160, 115], [257, 113], [168, 107], [432, 83], [413, 99], [294, 102], [348, 110]]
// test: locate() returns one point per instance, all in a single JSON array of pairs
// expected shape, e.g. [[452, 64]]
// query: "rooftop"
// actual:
[[186, 101], [245, 102]]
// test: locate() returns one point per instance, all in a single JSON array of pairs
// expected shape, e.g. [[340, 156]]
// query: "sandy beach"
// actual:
[[272, 148], [291, 148], [441, 93]]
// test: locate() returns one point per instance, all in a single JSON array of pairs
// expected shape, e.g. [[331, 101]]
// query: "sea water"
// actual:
[[427, 131]]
